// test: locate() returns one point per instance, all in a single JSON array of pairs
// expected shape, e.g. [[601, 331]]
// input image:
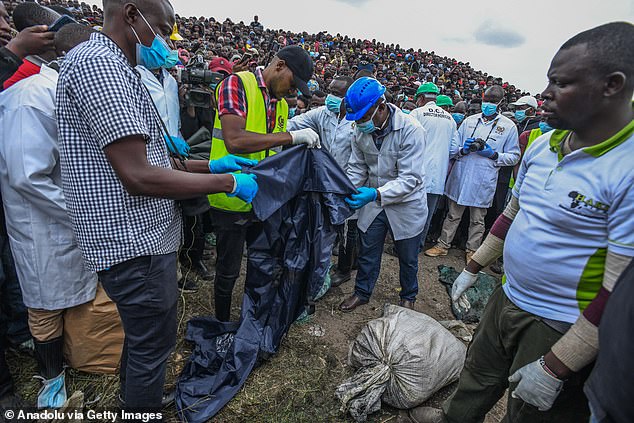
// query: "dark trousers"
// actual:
[[507, 339], [193, 240], [372, 242], [432, 204], [232, 231], [146, 293], [14, 312], [348, 250]]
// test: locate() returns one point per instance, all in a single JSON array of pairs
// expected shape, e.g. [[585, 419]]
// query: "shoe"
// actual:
[[338, 278], [167, 400], [11, 401], [351, 303], [202, 271], [406, 303], [187, 285], [426, 415], [437, 251], [468, 255]]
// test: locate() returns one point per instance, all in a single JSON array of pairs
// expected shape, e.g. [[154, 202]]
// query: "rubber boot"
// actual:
[[50, 359], [223, 307]]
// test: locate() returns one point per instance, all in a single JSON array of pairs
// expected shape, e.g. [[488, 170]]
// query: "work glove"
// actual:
[[487, 152], [465, 146], [181, 145], [246, 187], [463, 282], [306, 136], [536, 386], [363, 197], [230, 163]]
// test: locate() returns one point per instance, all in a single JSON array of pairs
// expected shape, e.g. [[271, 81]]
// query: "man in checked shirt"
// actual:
[[120, 185]]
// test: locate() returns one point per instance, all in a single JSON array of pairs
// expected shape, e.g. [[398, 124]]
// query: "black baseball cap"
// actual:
[[299, 62]]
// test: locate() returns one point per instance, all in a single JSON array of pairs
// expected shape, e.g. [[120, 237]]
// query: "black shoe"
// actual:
[[167, 400], [338, 278], [187, 285], [202, 271]]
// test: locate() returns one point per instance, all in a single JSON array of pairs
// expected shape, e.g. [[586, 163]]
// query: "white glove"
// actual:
[[536, 386], [306, 136], [462, 283]]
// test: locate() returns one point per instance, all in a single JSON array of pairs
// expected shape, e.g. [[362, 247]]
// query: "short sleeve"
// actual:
[[620, 221], [231, 97], [109, 97]]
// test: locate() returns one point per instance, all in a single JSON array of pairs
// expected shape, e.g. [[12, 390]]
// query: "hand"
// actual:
[[466, 145], [462, 283], [306, 136], [180, 144], [363, 197], [32, 40], [230, 163], [487, 152], [246, 187], [536, 386]]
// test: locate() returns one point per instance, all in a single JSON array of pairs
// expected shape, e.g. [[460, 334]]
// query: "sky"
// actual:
[[512, 39]]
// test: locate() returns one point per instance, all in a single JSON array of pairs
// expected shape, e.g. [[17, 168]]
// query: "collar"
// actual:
[[495, 117], [598, 150], [48, 72], [259, 77], [103, 39]]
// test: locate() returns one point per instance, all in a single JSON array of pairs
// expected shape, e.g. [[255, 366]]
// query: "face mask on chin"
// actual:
[[368, 126]]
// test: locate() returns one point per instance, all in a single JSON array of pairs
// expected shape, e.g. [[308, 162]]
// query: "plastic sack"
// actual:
[[402, 358], [93, 335]]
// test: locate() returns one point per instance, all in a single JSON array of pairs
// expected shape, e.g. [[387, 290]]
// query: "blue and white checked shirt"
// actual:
[[101, 99]]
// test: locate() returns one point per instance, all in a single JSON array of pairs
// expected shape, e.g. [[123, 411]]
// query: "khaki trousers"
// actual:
[[450, 225], [46, 325]]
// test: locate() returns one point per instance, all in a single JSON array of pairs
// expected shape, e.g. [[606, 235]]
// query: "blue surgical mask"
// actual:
[[458, 117], [158, 55], [406, 111], [368, 126], [333, 103], [488, 109], [520, 115], [291, 112], [544, 127]]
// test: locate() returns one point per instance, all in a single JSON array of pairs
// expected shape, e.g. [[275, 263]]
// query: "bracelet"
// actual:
[[547, 369]]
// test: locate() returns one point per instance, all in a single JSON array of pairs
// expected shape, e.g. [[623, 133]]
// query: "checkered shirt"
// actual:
[[101, 99]]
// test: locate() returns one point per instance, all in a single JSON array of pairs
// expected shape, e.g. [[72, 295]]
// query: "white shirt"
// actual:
[[473, 178], [164, 97], [572, 211], [49, 264], [442, 132]]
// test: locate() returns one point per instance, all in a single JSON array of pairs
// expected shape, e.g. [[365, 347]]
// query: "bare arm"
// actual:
[[129, 161], [240, 141], [193, 166]]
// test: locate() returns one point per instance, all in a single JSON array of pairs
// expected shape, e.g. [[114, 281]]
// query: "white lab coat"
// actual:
[[473, 178], [442, 133], [164, 97], [397, 171], [335, 135], [48, 261]]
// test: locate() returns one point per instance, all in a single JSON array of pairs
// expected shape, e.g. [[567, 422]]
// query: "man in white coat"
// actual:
[[386, 167], [473, 178], [48, 261], [336, 135], [441, 137]]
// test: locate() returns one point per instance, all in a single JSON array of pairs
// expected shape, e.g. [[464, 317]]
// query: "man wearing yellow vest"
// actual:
[[250, 122]]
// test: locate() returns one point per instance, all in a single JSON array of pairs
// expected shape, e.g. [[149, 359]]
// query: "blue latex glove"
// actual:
[[363, 197], [246, 187], [182, 147], [230, 163], [487, 152], [465, 146]]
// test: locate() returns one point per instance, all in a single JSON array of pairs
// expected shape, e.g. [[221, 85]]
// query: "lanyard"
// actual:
[[490, 132]]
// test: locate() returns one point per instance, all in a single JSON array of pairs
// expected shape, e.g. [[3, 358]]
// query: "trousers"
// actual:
[[450, 225]]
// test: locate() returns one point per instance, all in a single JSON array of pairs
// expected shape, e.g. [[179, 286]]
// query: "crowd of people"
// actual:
[[127, 132]]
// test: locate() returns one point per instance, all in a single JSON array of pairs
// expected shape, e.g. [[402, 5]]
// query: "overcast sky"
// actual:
[[512, 39]]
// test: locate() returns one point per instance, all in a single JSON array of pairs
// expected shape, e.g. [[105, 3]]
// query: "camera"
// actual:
[[196, 74], [478, 145]]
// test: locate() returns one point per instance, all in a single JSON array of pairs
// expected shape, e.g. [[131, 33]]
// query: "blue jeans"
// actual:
[[432, 204], [370, 260]]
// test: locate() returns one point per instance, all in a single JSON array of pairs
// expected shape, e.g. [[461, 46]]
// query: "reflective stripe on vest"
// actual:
[[255, 122]]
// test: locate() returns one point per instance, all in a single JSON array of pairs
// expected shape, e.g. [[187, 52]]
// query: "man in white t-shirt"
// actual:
[[567, 234]]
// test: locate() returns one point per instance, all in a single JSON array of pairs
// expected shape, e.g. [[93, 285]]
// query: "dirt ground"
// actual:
[[298, 384]]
